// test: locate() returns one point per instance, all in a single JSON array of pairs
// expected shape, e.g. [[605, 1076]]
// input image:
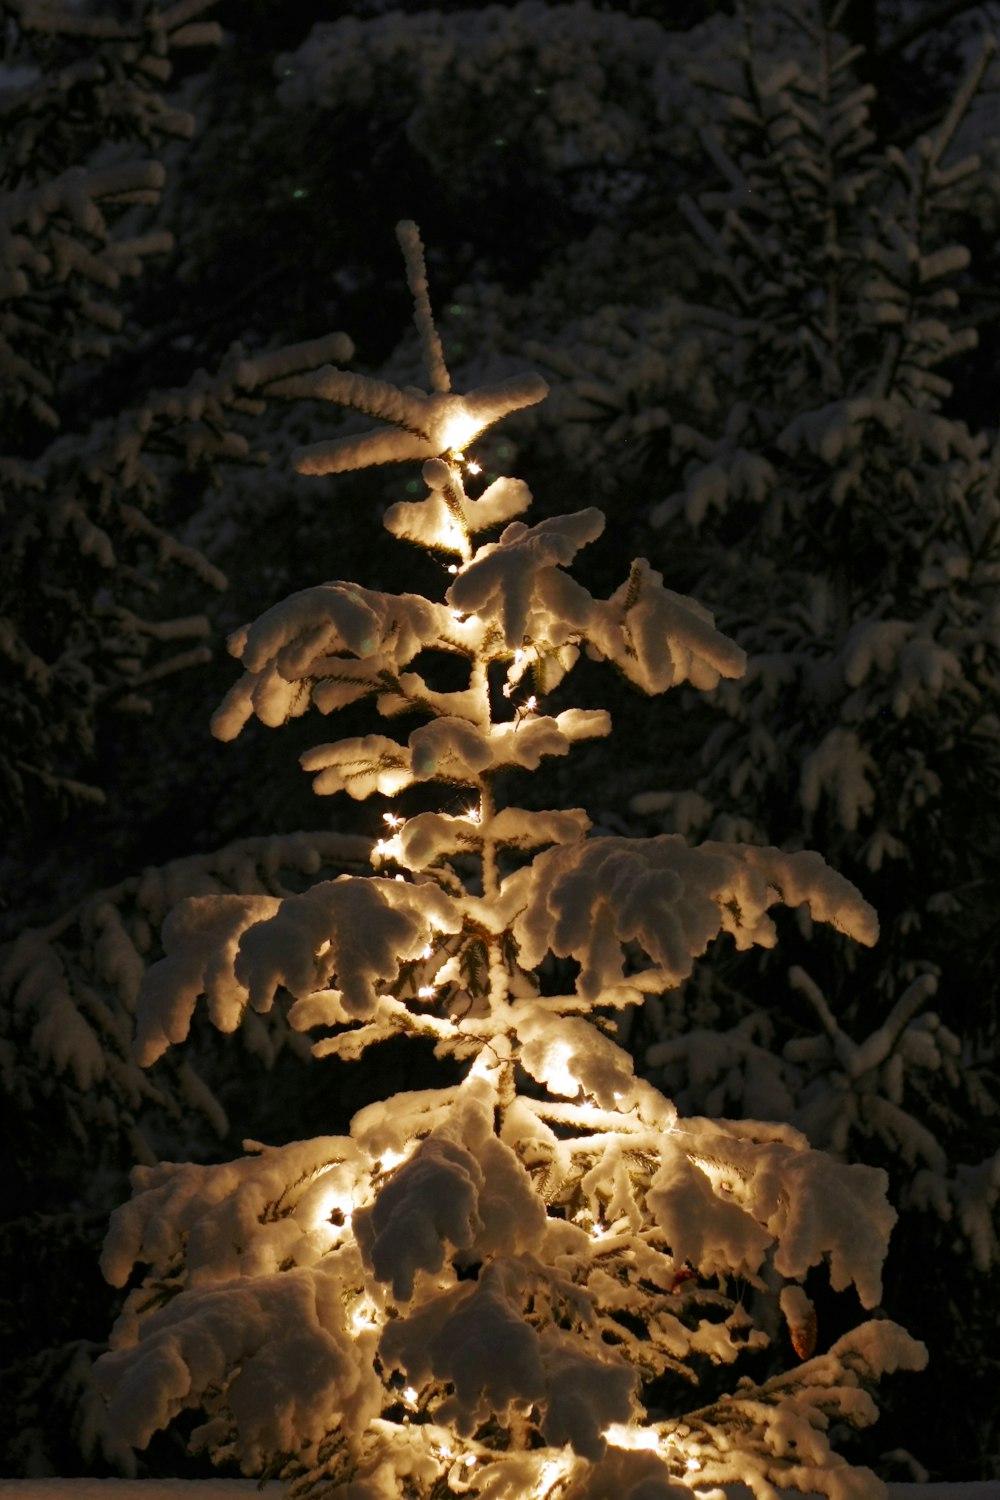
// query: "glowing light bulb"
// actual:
[[393, 820], [558, 1075], [363, 1317], [453, 567], [473, 467], [692, 1465], [620, 1436], [459, 429], [530, 704], [473, 815], [426, 992], [387, 849], [336, 1202], [409, 1395]]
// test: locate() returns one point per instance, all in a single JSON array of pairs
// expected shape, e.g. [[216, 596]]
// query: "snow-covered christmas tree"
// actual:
[[514, 1284]]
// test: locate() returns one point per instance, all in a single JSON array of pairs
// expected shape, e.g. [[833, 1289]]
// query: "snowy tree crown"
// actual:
[[488, 1288]]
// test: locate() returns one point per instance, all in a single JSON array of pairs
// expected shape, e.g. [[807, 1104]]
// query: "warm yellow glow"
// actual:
[[620, 1436], [459, 428], [452, 537], [692, 1465], [334, 1201], [390, 1159], [473, 467], [393, 820], [453, 567], [558, 1074], [363, 1316], [323, 948], [426, 992], [410, 1395], [551, 1472], [387, 848], [530, 704], [473, 815]]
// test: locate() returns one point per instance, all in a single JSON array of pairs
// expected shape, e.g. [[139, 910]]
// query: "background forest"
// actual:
[[772, 354]]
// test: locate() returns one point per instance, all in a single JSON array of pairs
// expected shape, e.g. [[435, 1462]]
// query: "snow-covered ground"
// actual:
[[149, 1489], [232, 1489]]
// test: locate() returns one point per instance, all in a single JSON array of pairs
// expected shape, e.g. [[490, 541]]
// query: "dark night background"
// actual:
[[552, 174]]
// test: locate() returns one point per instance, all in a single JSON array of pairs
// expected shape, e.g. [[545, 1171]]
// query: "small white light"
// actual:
[[426, 992], [363, 1317], [621, 1436], [473, 467], [558, 1076], [453, 567]]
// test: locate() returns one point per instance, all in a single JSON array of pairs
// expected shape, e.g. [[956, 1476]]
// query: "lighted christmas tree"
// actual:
[[494, 1288]]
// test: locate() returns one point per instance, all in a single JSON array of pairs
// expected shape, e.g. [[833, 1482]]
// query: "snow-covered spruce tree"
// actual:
[[89, 520], [502, 1286]]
